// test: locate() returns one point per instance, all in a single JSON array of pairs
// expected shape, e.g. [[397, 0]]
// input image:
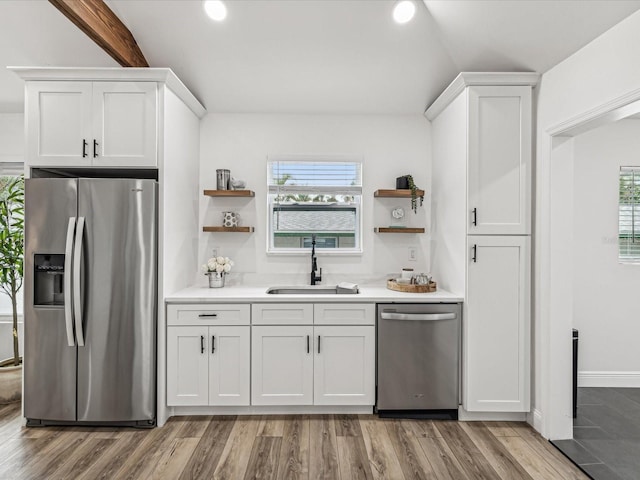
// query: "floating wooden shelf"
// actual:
[[397, 193], [228, 229], [398, 230], [229, 193]]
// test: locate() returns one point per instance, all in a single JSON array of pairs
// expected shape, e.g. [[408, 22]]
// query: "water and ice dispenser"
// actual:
[[48, 280]]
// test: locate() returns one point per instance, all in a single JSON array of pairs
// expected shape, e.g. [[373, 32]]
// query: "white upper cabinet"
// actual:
[[499, 160], [92, 124], [125, 124], [59, 123]]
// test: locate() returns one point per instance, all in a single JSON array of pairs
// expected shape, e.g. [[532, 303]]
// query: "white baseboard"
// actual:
[[271, 410], [534, 418], [609, 379]]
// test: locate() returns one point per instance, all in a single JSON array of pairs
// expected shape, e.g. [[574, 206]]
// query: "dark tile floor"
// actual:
[[606, 434]]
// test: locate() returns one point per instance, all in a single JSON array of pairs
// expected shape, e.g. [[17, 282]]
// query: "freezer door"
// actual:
[[49, 353], [116, 365]]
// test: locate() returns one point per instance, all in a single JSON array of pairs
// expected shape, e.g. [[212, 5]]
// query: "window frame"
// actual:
[[626, 257], [315, 190]]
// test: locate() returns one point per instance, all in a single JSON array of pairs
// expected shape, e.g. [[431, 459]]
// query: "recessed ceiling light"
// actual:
[[215, 9], [404, 11]]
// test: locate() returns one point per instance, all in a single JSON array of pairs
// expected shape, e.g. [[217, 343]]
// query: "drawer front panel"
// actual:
[[282, 314], [345, 314], [209, 314]]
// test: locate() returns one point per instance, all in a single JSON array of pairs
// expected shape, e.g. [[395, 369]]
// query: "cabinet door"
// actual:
[[59, 130], [497, 325], [125, 125], [187, 366], [229, 368], [344, 365], [282, 365], [499, 160]]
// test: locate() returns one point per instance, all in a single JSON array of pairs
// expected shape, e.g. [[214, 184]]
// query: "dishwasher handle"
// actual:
[[417, 316]]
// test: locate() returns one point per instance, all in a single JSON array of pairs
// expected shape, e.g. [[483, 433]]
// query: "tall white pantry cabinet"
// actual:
[[481, 208]]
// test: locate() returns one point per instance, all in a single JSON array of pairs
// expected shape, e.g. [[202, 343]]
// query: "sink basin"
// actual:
[[310, 290]]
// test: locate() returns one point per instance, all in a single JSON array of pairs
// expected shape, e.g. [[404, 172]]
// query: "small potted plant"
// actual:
[[406, 182], [11, 268], [216, 268]]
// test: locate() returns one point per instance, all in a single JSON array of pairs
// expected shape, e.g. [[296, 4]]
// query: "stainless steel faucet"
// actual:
[[314, 263]]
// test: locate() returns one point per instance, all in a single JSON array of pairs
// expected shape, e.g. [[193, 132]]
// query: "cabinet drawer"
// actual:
[[208, 314], [282, 314], [344, 314]]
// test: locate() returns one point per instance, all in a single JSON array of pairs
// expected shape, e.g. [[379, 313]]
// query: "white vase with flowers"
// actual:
[[216, 268]]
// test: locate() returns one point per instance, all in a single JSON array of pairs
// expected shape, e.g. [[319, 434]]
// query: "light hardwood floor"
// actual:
[[332, 447]]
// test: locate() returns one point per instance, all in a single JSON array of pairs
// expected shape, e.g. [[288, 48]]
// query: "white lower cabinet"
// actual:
[[343, 369], [208, 364], [282, 365], [327, 359], [303, 365], [497, 325], [229, 366], [214, 355], [187, 366]]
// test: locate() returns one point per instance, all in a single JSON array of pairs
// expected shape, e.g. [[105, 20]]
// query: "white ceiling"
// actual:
[[314, 56]]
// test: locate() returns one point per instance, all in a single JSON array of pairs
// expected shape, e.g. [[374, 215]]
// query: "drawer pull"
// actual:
[[204, 315]]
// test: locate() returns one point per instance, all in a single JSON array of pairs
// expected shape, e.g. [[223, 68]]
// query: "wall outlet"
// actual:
[[214, 251], [413, 254]]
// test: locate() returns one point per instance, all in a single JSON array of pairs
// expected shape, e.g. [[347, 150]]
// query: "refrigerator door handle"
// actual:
[[77, 298], [68, 312]]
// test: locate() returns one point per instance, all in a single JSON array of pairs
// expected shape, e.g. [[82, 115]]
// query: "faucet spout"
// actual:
[[314, 262]]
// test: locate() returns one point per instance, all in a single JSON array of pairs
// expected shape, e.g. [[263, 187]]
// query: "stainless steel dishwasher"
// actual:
[[418, 360]]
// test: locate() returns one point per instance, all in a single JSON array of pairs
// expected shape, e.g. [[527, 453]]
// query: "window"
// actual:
[[629, 215], [312, 195], [8, 173]]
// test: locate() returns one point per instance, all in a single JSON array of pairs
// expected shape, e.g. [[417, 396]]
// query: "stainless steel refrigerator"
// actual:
[[90, 301]]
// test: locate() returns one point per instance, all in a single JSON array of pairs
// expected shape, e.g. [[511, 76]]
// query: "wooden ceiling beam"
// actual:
[[100, 24]]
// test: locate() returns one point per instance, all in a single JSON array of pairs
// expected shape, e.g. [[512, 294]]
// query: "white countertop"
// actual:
[[250, 294]]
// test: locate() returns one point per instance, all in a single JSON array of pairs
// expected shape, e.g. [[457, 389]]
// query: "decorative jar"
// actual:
[[216, 279]]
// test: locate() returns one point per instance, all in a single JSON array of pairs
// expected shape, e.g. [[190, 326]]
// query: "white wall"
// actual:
[[449, 197], [390, 146], [604, 70], [11, 137], [606, 306]]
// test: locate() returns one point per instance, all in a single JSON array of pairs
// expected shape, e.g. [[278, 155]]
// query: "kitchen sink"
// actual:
[[310, 290]]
